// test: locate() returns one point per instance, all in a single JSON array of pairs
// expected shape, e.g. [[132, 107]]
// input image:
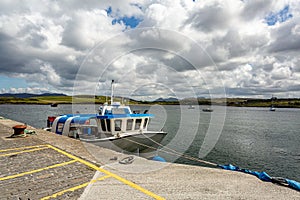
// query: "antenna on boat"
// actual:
[[112, 92], [106, 96]]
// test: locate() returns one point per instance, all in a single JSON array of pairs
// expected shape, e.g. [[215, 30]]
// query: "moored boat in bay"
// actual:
[[115, 126]]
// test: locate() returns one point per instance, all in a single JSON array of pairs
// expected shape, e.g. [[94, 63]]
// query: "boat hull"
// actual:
[[207, 110], [142, 142]]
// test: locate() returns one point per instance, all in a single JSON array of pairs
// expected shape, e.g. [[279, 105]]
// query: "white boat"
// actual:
[[115, 127], [272, 108], [191, 107]]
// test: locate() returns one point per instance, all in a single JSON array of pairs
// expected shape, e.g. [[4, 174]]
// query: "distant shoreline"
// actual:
[[160, 103], [88, 99]]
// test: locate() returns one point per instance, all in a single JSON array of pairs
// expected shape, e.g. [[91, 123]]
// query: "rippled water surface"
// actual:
[[252, 138]]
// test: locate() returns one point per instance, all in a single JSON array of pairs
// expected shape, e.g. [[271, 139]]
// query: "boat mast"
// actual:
[[112, 92]]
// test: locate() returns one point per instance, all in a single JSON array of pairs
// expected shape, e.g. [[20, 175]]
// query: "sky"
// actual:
[[151, 49]]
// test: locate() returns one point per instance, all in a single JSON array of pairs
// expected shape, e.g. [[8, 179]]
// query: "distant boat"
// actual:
[[191, 107], [54, 105], [272, 108], [207, 110]]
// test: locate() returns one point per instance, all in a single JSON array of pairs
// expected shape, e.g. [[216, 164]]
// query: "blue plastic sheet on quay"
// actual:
[[264, 176]]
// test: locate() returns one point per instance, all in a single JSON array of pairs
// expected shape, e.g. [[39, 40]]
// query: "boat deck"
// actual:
[[50, 166]]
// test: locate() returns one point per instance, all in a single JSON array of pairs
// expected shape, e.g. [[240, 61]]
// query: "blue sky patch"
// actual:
[[109, 11], [281, 16], [9, 82], [132, 21]]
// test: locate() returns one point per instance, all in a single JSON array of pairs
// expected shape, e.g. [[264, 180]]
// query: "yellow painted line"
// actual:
[[19, 148], [37, 170], [75, 188], [25, 151], [127, 182]]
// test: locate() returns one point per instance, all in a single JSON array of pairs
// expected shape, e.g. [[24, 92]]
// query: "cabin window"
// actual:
[[107, 112], [129, 124], [127, 111], [93, 122], [118, 125], [145, 122], [108, 124], [103, 124], [138, 123], [118, 111]]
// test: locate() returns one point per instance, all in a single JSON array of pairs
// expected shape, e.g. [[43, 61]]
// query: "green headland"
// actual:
[[84, 99]]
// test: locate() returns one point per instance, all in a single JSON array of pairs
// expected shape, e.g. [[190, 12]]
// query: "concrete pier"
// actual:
[[50, 166]]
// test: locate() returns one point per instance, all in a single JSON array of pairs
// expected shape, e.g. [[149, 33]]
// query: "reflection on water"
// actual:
[[252, 138]]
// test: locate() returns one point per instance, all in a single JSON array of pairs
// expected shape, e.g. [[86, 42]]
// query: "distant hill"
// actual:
[[28, 95], [171, 99]]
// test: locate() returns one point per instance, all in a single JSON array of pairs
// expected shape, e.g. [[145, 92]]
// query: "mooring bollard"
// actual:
[[19, 129]]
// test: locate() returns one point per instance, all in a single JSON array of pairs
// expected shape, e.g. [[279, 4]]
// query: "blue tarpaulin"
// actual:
[[293, 184], [264, 176]]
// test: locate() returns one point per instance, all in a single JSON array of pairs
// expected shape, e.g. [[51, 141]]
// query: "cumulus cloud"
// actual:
[[153, 48]]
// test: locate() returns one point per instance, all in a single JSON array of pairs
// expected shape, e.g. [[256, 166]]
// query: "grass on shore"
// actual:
[[86, 99], [47, 100]]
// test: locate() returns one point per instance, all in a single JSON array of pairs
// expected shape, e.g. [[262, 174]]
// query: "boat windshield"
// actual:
[[120, 111], [113, 125]]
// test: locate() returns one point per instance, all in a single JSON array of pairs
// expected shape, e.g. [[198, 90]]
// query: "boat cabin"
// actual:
[[116, 118], [117, 125], [112, 120]]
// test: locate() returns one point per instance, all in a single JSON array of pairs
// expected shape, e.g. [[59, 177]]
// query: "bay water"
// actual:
[[249, 137]]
